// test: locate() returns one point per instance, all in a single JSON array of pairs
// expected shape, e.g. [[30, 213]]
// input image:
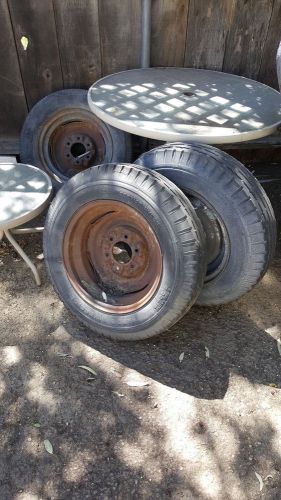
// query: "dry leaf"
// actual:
[[88, 369], [24, 42], [119, 394], [259, 478], [181, 356], [273, 385], [48, 446], [136, 383], [36, 424], [207, 352]]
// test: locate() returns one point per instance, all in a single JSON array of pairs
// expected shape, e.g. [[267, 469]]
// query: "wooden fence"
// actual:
[[48, 45]]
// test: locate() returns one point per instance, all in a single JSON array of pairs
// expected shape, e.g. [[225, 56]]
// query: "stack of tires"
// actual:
[[131, 247]]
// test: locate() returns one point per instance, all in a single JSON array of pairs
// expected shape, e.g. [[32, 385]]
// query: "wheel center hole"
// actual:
[[77, 149], [122, 252]]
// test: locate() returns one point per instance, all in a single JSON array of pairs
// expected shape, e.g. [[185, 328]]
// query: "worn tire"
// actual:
[[171, 218], [246, 218], [60, 127]]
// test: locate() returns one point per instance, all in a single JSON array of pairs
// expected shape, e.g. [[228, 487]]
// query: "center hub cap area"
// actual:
[[112, 256]]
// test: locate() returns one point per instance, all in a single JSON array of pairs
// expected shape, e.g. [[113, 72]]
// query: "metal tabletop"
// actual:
[[181, 104], [24, 193]]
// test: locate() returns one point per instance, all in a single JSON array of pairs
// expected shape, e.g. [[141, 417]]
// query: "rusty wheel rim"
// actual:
[[71, 142], [112, 256]]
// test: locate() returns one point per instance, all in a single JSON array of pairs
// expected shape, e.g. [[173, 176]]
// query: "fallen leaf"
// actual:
[[137, 383], [36, 424], [207, 352], [259, 478], [119, 394], [24, 42], [88, 369], [273, 385], [181, 356], [279, 346], [40, 256], [48, 446]]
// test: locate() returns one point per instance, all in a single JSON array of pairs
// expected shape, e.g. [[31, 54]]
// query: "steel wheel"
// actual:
[[63, 137], [112, 256], [124, 249], [69, 143], [217, 241]]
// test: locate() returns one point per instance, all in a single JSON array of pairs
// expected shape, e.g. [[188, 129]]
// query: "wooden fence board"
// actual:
[[12, 99], [247, 37], [40, 62], [168, 34], [77, 24], [120, 27], [267, 73], [208, 24]]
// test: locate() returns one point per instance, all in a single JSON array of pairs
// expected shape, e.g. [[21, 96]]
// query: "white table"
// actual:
[[24, 193], [181, 104]]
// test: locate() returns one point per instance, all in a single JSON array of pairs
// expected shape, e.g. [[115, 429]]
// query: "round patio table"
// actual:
[[24, 193], [182, 104]]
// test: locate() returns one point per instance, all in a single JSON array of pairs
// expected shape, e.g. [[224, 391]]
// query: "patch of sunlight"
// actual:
[[217, 119], [27, 496], [36, 388], [209, 482], [36, 184], [77, 468], [2, 385], [170, 91], [32, 445], [219, 100], [10, 355], [7, 166], [140, 455], [253, 123], [108, 87], [240, 107]]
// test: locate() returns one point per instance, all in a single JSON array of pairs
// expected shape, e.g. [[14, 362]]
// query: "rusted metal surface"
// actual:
[[112, 256], [75, 146]]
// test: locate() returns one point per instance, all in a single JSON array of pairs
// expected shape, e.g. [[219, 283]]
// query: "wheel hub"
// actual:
[[75, 146]]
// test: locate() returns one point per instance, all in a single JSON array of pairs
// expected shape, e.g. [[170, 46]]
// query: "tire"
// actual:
[[60, 128], [92, 221], [234, 210]]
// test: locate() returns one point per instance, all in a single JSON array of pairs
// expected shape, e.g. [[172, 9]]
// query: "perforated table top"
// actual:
[[180, 104], [24, 193]]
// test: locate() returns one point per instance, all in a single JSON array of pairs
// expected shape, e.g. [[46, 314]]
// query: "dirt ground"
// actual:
[[147, 425]]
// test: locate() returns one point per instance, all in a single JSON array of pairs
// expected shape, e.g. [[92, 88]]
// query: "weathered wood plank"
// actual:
[[12, 100], [40, 62], [120, 29], [267, 73], [247, 36], [77, 24], [168, 33], [208, 24]]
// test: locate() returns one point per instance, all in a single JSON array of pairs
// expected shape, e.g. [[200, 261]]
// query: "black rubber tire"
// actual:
[[177, 228], [239, 201], [53, 111]]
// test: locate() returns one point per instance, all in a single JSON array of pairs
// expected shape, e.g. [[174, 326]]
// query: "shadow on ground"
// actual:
[[148, 425]]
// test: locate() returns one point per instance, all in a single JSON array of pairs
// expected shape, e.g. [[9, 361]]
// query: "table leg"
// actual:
[[23, 255]]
